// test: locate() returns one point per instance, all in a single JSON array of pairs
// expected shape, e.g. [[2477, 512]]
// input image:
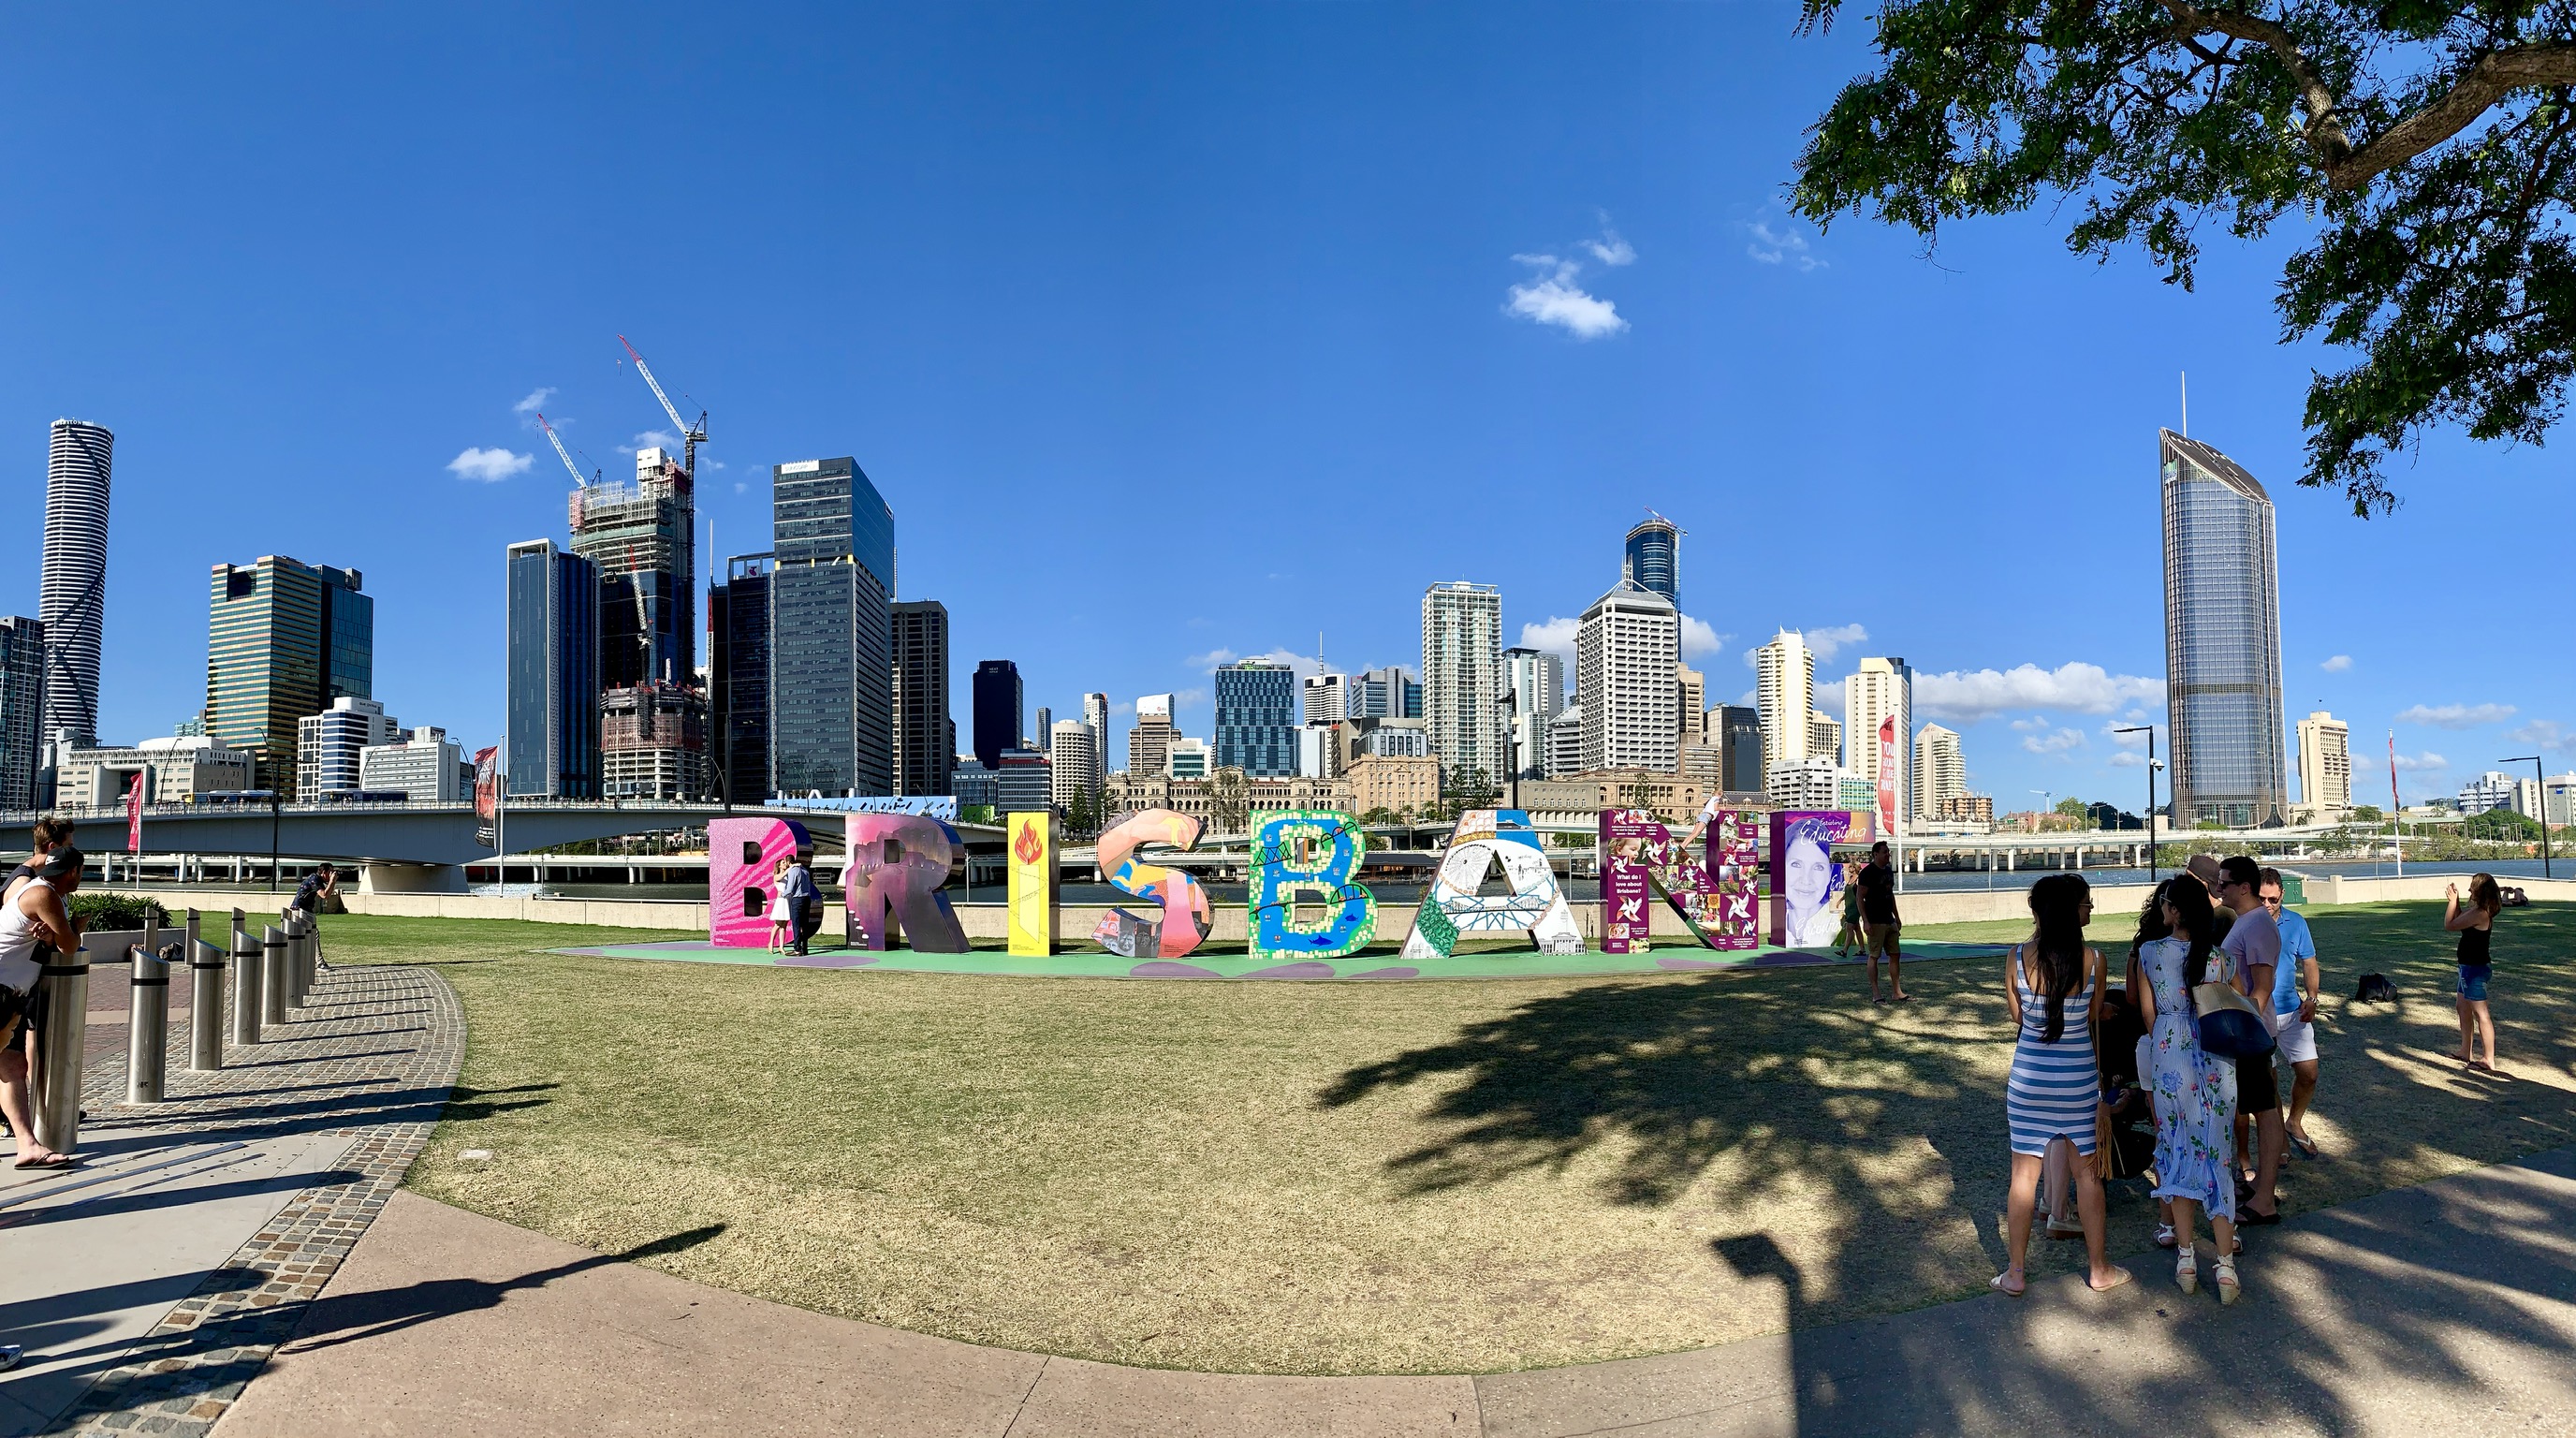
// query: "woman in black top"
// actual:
[[2475, 926]]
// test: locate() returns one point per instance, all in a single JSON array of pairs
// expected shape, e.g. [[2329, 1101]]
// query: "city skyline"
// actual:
[[997, 386]]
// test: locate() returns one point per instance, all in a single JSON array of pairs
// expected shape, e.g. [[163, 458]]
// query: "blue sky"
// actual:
[[1171, 331]]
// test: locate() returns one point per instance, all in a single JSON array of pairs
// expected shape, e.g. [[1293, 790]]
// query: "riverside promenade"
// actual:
[[249, 1268]]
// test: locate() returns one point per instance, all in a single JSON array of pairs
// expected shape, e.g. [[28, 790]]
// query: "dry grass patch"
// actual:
[[1352, 1178]]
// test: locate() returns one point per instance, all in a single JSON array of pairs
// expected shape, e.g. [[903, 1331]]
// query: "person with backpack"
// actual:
[[2194, 1091]]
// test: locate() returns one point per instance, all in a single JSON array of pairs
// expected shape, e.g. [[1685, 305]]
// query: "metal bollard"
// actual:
[[246, 986], [205, 1002], [147, 1020], [308, 928], [273, 980], [58, 1088], [299, 948]]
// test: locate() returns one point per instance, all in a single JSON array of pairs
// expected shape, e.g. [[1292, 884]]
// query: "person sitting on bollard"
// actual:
[[31, 917]]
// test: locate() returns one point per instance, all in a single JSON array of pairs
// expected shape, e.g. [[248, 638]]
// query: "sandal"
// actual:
[[2165, 1236], [2302, 1147], [50, 1161], [2121, 1278], [2001, 1283], [2187, 1270], [2229, 1290]]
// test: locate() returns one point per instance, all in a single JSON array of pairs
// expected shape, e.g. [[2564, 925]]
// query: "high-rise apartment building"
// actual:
[[1940, 770], [1075, 752], [552, 748], [1256, 717], [1149, 744], [1327, 698], [652, 742], [924, 752], [1534, 687], [2222, 640], [1095, 712], [1626, 652], [1388, 693], [1881, 689], [71, 600], [641, 536], [831, 669], [1736, 730], [1462, 678], [999, 709], [1691, 691], [328, 746], [1785, 691], [1565, 742], [1824, 736], [738, 679], [284, 639], [2325, 767], [1654, 557], [22, 706]]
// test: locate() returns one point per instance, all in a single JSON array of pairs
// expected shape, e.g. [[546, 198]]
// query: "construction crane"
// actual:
[[643, 613], [690, 434], [560, 452]]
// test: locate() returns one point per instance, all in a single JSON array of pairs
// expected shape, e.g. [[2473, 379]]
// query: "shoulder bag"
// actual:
[[2229, 1025]]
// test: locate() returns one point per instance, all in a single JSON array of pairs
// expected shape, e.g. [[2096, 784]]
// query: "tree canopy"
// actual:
[[2429, 143]]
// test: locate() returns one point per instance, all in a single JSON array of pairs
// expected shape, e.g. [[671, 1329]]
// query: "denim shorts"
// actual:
[[2473, 981]]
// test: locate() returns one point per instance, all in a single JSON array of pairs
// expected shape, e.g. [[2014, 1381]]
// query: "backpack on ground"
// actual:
[[2375, 989]]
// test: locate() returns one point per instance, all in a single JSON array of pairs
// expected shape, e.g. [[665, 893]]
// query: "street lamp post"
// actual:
[[2543, 782], [1511, 741], [2150, 731]]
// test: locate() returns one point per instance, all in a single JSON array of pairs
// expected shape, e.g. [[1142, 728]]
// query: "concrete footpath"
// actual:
[[2449, 1308]]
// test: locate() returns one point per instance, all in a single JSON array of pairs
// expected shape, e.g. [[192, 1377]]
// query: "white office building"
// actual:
[[1316, 756], [1075, 753], [2325, 767], [1565, 742], [1785, 694], [1878, 690], [1940, 770], [2490, 790], [1626, 652], [1534, 681], [1189, 759], [1327, 698], [1804, 783], [327, 746], [424, 765], [1462, 677]]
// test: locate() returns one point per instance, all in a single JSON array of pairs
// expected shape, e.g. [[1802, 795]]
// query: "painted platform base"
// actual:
[[1382, 964]]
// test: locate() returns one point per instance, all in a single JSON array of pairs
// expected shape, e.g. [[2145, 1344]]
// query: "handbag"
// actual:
[[2229, 1024]]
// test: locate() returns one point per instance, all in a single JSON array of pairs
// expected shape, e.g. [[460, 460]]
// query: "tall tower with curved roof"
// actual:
[[2222, 640]]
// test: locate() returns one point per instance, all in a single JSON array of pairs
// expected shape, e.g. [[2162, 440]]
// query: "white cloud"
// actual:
[[2133, 740], [2455, 716], [1699, 638], [1207, 663], [2031, 725], [2541, 734], [1610, 249], [2127, 760], [535, 401], [742, 486], [1556, 637], [2337, 664], [1306, 665], [651, 439], [489, 465], [1779, 245], [1829, 641], [1829, 696], [2056, 742], [1969, 696], [2413, 763], [1556, 300]]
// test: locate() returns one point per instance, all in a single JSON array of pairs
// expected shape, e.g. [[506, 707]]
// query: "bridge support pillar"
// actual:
[[376, 876]]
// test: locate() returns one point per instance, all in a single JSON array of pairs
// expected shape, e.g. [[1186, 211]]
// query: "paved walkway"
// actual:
[[2449, 1308], [150, 1284]]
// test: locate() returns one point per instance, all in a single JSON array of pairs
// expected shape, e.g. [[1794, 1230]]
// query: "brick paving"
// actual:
[[374, 1057]]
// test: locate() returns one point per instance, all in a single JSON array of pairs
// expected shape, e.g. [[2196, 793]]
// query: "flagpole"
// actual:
[[2396, 806]]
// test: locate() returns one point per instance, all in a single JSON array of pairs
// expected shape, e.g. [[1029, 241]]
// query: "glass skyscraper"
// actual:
[[998, 698], [1654, 557], [284, 639], [738, 678], [1256, 717], [552, 672], [22, 700], [2222, 640], [831, 663]]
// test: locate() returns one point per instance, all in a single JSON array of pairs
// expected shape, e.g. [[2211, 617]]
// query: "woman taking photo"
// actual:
[[2475, 926], [2195, 1094], [2054, 986]]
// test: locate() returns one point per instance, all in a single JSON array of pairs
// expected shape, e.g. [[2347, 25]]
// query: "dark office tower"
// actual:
[[831, 670], [1256, 717], [997, 711], [553, 673], [1739, 744], [1655, 557], [640, 536], [2222, 641], [738, 678], [922, 756], [22, 701], [283, 639], [72, 592]]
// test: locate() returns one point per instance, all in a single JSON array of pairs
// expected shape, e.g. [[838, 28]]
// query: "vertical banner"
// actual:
[[1182, 920], [1308, 854], [487, 788], [742, 877], [1806, 881], [1887, 767], [134, 816], [1035, 882], [1735, 861]]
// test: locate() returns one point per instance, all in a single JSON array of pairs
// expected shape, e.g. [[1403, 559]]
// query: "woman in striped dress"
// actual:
[[2055, 985]]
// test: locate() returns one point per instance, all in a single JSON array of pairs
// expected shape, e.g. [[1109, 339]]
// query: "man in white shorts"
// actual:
[[2294, 1010]]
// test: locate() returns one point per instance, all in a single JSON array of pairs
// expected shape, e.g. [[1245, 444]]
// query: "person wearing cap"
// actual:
[[32, 919]]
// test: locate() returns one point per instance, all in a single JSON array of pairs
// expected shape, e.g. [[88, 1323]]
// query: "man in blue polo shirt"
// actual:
[[2294, 1009]]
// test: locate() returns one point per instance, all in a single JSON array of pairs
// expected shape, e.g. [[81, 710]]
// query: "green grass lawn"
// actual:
[[1347, 1178]]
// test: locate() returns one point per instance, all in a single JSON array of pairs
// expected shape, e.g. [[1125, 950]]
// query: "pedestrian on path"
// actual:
[[2294, 1010], [2476, 927], [32, 918], [2053, 984], [2195, 1092], [1879, 925], [2253, 945]]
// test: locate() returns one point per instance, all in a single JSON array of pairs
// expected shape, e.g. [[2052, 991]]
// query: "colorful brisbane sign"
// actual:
[[1304, 899]]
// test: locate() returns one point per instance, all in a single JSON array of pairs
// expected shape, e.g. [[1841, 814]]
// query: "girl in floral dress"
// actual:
[[2195, 1095]]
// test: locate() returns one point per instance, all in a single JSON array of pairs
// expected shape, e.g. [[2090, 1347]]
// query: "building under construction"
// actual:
[[653, 742], [639, 535]]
